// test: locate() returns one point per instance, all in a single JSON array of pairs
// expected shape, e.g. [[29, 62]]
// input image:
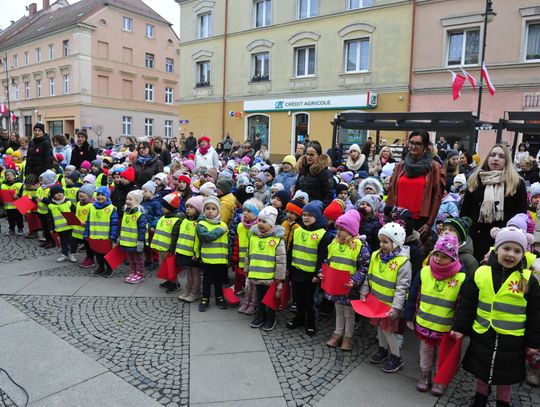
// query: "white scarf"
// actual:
[[355, 166], [492, 208]]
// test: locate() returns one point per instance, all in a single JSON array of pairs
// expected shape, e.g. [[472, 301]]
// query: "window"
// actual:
[[65, 48], [38, 88], [203, 74], [127, 24], [261, 67], [204, 29], [66, 84], [149, 31], [533, 42], [308, 8], [149, 92], [16, 91], [38, 55], [168, 129], [52, 87], [258, 125], [149, 127], [103, 85], [353, 4], [169, 65], [263, 13], [51, 51], [169, 95], [127, 122], [357, 55], [305, 61], [27, 90], [463, 47], [15, 61], [149, 60], [26, 59]]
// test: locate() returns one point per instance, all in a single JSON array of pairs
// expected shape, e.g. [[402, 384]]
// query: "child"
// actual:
[[86, 199], [262, 193], [15, 218], [432, 297], [85, 167], [459, 227], [342, 192], [48, 179], [121, 189], [499, 311], [132, 235], [72, 185], [265, 262], [280, 201], [293, 211], [533, 205], [162, 189], [370, 186], [30, 187], [226, 199], [151, 205], [212, 233], [57, 204], [251, 209], [287, 175], [348, 253], [388, 279], [188, 248], [102, 224], [368, 206], [184, 188]]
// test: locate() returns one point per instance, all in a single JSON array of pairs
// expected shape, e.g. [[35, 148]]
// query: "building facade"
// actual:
[[282, 69], [108, 66]]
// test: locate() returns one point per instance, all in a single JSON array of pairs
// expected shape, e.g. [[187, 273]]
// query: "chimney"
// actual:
[[32, 9], [45, 4]]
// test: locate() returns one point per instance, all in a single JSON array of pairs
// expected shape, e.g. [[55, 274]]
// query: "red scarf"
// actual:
[[444, 272], [204, 150]]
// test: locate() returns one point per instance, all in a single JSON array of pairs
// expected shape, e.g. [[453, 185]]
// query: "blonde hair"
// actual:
[[389, 150], [511, 177], [445, 168], [523, 284]]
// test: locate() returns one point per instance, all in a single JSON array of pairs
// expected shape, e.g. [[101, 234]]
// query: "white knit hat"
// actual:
[[269, 215], [394, 232], [208, 189], [460, 178], [212, 200], [137, 195], [535, 189]]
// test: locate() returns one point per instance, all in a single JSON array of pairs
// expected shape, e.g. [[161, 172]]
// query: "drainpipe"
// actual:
[[411, 59], [224, 70]]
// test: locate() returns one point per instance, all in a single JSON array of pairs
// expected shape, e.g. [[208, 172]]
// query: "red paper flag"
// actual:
[[100, 246], [25, 204], [457, 83], [115, 257], [334, 280], [6, 195], [470, 78], [371, 308], [449, 359], [487, 78], [72, 219], [167, 269], [34, 224], [230, 296], [274, 302]]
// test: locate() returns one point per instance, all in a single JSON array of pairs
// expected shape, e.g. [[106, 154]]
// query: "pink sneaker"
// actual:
[[137, 278], [129, 279], [87, 263]]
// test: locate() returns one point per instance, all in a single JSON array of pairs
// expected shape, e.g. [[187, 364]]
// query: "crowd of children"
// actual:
[[274, 238]]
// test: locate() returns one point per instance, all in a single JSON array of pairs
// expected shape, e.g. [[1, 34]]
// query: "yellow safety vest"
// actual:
[[42, 208], [100, 222], [61, 179], [162, 235], [438, 300], [71, 193], [129, 232], [533, 215], [243, 241], [13, 187], [60, 223], [98, 180], [344, 256], [82, 213], [304, 251], [188, 241], [504, 311], [217, 251], [382, 277], [262, 257], [28, 193]]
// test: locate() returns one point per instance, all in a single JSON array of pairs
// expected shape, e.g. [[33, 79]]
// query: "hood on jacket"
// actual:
[[372, 182], [466, 247]]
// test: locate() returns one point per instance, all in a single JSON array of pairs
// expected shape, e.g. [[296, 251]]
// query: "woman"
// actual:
[[40, 157], [356, 160], [263, 154], [451, 168], [397, 149], [61, 146], [109, 144], [521, 154], [163, 153], [14, 141], [147, 163], [287, 174], [494, 194], [314, 177], [385, 156], [172, 147], [206, 156], [369, 149], [417, 183], [82, 150], [529, 170], [220, 150], [466, 163]]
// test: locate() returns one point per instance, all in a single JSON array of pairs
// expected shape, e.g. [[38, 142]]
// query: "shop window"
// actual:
[[259, 125]]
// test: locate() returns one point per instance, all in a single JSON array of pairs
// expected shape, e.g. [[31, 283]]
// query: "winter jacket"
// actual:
[[152, 210], [176, 229], [281, 255], [118, 196], [466, 256], [83, 153], [449, 209], [322, 253], [114, 224], [208, 160], [39, 157], [316, 180], [164, 155], [370, 228], [141, 228], [66, 153], [228, 204], [144, 173], [416, 252], [263, 194], [288, 179], [207, 236]]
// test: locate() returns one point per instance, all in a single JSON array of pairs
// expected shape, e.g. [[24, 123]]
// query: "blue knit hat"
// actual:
[[315, 208], [104, 191]]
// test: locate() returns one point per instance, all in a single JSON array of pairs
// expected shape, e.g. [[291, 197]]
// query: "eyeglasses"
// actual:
[[415, 144]]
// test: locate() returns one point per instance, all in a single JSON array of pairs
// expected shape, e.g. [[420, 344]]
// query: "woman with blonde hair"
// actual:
[[495, 193]]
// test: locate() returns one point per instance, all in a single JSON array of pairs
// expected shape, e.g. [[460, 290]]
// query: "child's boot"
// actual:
[[438, 390], [346, 344], [243, 308], [424, 382], [393, 364], [204, 304], [334, 341], [380, 356]]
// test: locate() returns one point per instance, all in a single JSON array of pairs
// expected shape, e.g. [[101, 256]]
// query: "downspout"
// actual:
[[411, 59], [224, 70]]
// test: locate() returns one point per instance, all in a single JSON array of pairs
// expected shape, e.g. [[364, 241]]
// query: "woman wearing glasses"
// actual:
[[147, 164], [314, 177]]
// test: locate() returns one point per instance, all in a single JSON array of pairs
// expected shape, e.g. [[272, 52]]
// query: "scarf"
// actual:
[[248, 223], [443, 272], [416, 169], [204, 150], [144, 159], [355, 166], [386, 257], [492, 208]]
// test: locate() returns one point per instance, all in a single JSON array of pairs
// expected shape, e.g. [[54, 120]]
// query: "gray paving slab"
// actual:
[[54, 286], [267, 402], [216, 314], [224, 337], [236, 376], [106, 287], [104, 390], [12, 285], [41, 362], [28, 266], [9, 314], [150, 288]]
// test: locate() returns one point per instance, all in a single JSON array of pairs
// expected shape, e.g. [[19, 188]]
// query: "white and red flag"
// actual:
[[3, 109], [485, 75], [13, 118], [457, 83], [470, 78]]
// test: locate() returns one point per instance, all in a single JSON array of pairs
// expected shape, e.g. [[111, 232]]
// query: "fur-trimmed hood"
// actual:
[[316, 168], [374, 182]]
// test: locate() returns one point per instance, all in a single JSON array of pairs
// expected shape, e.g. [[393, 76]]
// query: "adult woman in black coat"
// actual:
[[314, 177], [82, 150], [147, 164], [161, 151], [39, 157]]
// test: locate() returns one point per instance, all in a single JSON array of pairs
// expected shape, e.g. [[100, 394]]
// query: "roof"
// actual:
[[46, 22]]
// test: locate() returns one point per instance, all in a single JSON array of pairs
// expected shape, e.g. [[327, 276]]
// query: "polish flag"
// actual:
[[457, 83], [485, 75], [469, 77], [3, 108], [13, 118]]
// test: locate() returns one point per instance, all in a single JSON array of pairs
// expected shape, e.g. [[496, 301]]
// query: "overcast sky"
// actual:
[[15, 9]]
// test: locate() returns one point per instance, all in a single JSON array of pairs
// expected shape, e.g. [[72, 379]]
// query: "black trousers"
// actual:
[[15, 218], [262, 310], [304, 302], [45, 226], [102, 263], [213, 275], [65, 237]]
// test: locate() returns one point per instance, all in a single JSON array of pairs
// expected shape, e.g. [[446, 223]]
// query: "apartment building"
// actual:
[[108, 66], [283, 69]]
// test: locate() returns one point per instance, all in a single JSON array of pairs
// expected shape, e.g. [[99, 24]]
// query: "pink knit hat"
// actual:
[[190, 164], [447, 244], [349, 222], [513, 235]]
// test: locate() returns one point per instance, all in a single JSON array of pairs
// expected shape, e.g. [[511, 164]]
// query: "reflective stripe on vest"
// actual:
[[305, 245], [187, 243], [71, 193], [60, 223], [243, 241], [100, 222], [129, 232], [382, 277], [437, 300], [15, 187], [262, 257], [343, 256], [82, 213], [162, 235], [504, 311], [216, 251], [42, 208]]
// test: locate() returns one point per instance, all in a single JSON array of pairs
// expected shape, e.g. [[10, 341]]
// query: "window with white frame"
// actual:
[[38, 55], [357, 55], [148, 127], [203, 74], [261, 67], [127, 122], [304, 61], [26, 58], [27, 90], [149, 31], [65, 81], [354, 4], [149, 60], [127, 24], [52, 87], [533, 41], [38, 88], [15, 61], [168, 129], [169, 65], [51, 51], [308, 8], [204, 25], [263, 13], [16, 91], [65, 48], [149, 92], [169, 96], [463, 47]]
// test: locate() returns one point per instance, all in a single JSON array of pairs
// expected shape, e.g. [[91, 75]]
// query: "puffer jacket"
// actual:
[[144, 173], [316, 180], [141, 228], [39, 157], [288, 179], [281, 255], [370, 228], [152, 210], [466, 256]]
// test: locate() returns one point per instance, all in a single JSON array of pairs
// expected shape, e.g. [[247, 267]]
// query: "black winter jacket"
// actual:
[[144, 173], [316, 180], [83, 153], [39, 157]]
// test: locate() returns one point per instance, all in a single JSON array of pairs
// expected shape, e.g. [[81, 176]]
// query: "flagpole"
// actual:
[[8, 103]]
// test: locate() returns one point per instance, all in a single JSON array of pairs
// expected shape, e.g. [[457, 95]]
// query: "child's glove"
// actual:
[[140, 247]]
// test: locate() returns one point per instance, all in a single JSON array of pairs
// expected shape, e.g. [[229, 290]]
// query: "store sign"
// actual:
[[360, 101]]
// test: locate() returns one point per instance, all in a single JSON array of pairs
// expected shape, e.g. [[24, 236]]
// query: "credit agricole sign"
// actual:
[[359, 101]]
